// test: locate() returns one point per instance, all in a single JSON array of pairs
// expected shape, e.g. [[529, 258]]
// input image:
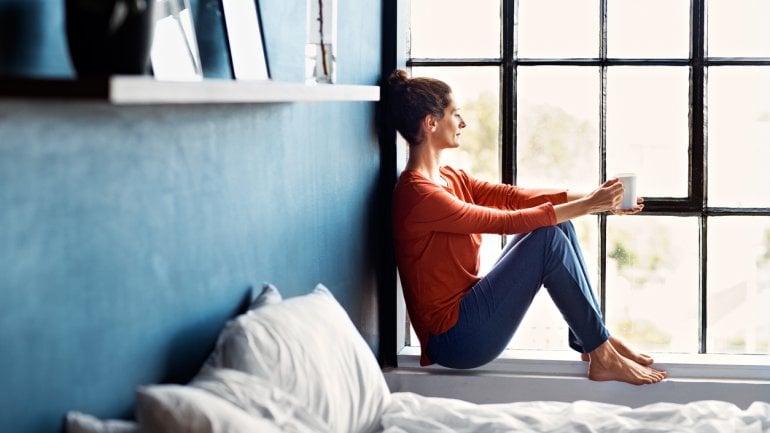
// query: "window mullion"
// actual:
[[702, 281], [508, 89], [697, 187], [698, 165], [603, 154]]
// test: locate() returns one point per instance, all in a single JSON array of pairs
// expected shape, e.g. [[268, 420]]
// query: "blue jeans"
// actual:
[[491, 311]]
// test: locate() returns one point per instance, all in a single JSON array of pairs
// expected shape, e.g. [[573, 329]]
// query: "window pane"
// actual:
[[647, 127], [558, 127], [477, 92], [543, 327], [739, 285], [558, 28], [738, 28], [632, 34], [455, 28], [739, 136], [652, 282]]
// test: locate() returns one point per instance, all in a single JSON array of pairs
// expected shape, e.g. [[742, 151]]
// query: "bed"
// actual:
[[320, 376]]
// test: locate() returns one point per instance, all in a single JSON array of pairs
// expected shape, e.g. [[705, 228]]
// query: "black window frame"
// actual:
[[696, 202]]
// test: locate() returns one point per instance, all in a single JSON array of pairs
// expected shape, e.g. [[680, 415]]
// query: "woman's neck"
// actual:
[[425, 160]]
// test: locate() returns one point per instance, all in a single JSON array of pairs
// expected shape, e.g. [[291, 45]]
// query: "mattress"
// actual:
[[409, 412]]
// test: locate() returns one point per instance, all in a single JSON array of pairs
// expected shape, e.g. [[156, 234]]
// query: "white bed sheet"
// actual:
[[413, 413]]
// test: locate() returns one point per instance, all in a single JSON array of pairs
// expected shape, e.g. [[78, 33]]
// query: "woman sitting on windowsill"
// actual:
[[464, 320]]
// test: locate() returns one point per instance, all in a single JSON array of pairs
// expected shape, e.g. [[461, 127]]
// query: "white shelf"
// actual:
[[130, 90], [145, 90]]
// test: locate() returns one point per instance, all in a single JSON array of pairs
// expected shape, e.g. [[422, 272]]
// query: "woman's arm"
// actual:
[[572, 196], [510, 197], [602, 199], [605, 198]]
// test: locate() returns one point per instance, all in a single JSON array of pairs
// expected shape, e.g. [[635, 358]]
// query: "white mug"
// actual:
[[629, 190]]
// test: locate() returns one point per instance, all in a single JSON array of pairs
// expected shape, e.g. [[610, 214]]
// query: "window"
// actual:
[[569, 92]]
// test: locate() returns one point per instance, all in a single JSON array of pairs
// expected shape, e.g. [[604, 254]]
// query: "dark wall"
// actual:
[[129, 235], [32, 40]]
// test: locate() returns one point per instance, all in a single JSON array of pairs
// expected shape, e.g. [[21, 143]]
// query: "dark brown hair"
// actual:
[[414, 98]]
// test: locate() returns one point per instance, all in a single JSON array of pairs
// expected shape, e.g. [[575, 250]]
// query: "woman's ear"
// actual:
[[429, 122]]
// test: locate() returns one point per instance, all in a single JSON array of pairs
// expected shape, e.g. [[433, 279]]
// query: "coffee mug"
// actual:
[[629, 190]]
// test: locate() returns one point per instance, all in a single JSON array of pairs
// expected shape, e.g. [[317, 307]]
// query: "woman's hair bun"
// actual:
[[398, 77]]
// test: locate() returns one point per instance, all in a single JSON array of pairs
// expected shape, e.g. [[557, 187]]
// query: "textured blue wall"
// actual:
[[128, 235]]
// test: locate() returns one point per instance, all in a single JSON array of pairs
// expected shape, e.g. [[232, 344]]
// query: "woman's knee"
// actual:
[[554, 238], [546, 231], [549, 233], [567, 227], [540, 240]]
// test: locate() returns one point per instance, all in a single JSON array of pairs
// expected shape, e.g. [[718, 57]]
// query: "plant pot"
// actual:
[[108, 37]]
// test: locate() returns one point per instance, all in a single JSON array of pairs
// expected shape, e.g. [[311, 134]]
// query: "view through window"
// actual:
[[567, 93]]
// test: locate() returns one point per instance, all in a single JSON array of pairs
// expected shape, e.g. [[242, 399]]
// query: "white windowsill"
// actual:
[[561, 376], [710, 367]]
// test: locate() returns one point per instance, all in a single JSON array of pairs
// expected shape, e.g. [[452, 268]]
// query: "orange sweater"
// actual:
[[437, 235]]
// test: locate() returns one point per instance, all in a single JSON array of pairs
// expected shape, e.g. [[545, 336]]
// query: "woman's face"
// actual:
[[448, 128]]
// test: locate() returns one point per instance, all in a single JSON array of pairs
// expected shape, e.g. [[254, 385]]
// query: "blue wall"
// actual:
[[129, 235]]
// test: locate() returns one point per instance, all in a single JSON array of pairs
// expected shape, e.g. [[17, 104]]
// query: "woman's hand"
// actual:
[[605, 198], [602, 199], [636, 209]]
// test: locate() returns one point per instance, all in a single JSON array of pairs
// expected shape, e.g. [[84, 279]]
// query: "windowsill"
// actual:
[[561, 376], [711, 367]]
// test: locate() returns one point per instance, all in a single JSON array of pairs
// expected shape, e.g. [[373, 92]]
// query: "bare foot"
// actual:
[[606, 363], [639, 358]]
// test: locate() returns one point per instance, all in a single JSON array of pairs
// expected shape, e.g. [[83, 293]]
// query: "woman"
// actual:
[[464, 320]]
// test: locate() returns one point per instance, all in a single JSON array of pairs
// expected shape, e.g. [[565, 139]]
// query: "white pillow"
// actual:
[[179, 408], [78, 422], [307, 346], [259, 398], [267, 296]]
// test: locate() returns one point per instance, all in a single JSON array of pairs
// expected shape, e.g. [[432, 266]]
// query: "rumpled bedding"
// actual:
[[414, 413]]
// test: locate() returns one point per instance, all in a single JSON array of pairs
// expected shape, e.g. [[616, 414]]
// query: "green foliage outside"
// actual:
[[557, 147]]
